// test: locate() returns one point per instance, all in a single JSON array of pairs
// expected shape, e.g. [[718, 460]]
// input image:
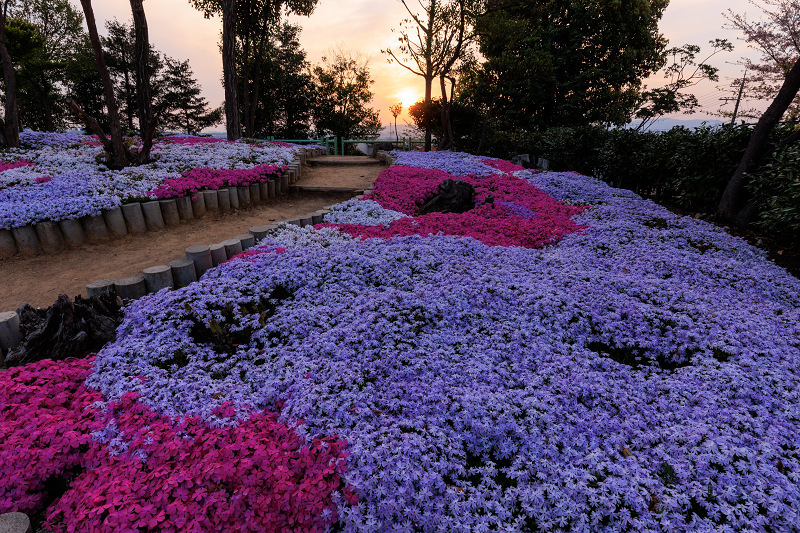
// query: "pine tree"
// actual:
[[179, 102]]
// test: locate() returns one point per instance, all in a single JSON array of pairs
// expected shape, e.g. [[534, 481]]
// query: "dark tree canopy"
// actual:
[[283, 109], [43, 72], [178, 101], [342, 92], [246, 25], [569, 62]]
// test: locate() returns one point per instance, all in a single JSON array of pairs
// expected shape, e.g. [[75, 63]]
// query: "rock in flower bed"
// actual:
[[59, 176], [638, 372]]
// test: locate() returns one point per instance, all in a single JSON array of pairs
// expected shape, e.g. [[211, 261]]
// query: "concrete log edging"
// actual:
[[139, 217], [15, 523], [10, 335], [176, 274], [169, 212]]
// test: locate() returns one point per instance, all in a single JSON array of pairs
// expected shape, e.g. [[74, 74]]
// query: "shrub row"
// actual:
[[684, 167]]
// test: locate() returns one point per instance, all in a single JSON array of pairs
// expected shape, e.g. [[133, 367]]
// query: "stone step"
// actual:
[[343, 160], [294, 189]]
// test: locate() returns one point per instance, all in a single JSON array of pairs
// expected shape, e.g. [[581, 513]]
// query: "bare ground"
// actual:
[[39, 280], [356, 177]]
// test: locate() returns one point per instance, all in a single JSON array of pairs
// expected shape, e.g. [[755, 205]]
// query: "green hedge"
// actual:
[[776, 192], [684, 167]]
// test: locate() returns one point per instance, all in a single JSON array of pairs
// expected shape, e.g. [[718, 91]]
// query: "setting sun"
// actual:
[[408, 97]]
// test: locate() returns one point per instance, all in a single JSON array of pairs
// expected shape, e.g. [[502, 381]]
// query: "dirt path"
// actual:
[[39, 280], [355, 176]]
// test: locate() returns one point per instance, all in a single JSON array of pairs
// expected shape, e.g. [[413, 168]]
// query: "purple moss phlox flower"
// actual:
[[640, 375]]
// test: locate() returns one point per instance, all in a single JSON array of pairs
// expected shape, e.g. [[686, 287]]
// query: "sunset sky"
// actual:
[[366, 26]]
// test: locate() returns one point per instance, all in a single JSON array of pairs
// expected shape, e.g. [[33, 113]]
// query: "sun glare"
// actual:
[[408, 97]]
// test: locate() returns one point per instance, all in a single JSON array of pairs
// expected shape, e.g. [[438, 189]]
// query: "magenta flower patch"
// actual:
[[212, 179], [46, 421], [8, 165], [518, 215], [155, 473], [126, 467], [502, 165]]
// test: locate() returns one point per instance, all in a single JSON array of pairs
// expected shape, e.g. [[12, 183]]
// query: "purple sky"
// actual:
[[366, 26]]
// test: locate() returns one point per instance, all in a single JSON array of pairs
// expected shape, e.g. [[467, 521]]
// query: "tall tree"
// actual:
[[11, 120], [83, 85], [777, 35], [119, 53], [147, 120], [42, 83], [285, 87], [179, 103], [118, 155], [245, 41], [395, 110], [26, 46], [142, 62], [430, 44], [342, 92], [228, 11], [457, 14], [569, 62]]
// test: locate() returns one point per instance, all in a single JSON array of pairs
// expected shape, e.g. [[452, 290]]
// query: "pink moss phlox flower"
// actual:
[[212, 179], [44, 179], [8, 165], [46, 422], [178, 475], [250, 254], [404, 189], [500, 164]]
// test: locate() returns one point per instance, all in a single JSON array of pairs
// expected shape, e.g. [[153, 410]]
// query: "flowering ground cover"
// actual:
[[635, 371], [57, 176]]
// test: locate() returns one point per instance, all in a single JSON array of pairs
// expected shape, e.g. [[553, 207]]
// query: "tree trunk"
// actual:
[[232, 123], [734, 205], [91, 124], [142, 62], [428, 91], [47, 110], [128, 94], [147, 139], [429, 74], [446, 141], [245, 94], [119, 155], [12, 113], [251, 121]]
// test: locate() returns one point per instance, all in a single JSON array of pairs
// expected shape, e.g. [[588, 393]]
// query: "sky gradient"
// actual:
[[366, 26]]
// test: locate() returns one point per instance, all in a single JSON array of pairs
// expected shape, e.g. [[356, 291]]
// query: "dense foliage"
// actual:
[[566, 63], [286, 88], [342, 93], [685, 167]]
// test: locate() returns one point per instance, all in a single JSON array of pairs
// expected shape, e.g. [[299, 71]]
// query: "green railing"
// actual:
[[336, 145]]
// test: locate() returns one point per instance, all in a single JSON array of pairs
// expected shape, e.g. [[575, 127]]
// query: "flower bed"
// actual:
[[520, 214], [639, 372], [57, 176]]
